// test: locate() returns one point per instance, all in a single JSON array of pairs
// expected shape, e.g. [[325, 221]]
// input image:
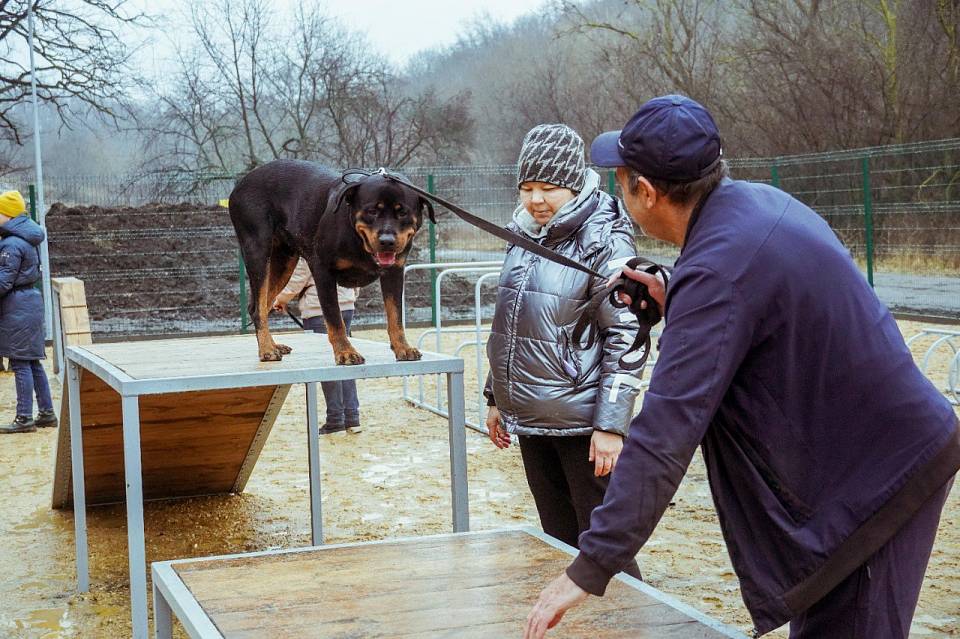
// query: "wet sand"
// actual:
[[390, 480]]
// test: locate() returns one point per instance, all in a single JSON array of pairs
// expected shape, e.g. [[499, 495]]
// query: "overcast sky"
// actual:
[[397, 28]]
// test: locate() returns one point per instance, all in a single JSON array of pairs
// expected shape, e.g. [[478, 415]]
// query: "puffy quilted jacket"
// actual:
[[21, 305], [540, 380]]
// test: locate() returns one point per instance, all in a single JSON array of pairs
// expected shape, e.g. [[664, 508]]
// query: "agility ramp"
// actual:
[[193, 443]]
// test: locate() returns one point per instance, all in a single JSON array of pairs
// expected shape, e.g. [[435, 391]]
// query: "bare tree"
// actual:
[[251, 93], [82, 59]]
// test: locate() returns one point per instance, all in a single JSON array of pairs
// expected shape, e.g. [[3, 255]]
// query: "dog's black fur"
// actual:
[[349, 234]]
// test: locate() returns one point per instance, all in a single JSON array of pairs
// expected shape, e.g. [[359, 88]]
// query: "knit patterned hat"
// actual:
[[552, 153], [12, 204]]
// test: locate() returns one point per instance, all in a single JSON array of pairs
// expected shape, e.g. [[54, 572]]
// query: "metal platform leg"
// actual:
[[135, 542], [162, 615], [458, 452], [79, 481], [313, 446]]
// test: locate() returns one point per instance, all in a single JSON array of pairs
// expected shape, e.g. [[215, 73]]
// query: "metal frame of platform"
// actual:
[[172, 597], [151, 367]]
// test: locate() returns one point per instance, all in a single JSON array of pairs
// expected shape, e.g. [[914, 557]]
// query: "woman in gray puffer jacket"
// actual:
[[570, 405]]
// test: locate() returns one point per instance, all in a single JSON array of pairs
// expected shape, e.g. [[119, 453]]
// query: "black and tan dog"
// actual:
[[349, 234]]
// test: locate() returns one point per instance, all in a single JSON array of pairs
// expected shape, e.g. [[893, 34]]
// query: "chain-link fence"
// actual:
[[159, 256]]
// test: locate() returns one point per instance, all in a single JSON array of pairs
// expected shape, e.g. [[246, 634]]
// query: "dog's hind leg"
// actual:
[[283, 260]]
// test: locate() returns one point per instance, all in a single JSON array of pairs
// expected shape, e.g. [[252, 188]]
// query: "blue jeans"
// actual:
[[30, 376], [343, 407]]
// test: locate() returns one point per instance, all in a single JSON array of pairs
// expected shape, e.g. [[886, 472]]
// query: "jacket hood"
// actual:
[[24, 228], [568, 219]]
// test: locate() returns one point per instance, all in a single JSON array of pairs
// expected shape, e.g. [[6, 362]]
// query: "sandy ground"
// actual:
[[390, 480]]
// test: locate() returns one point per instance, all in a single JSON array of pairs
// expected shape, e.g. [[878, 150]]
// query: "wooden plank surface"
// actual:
[[229, 354], [196, 443], [475, 586]]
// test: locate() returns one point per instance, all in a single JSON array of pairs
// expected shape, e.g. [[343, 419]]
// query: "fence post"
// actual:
[[242, 279], [32, 191], [612, 183], [433, 257], [775, 175], [868, 217]]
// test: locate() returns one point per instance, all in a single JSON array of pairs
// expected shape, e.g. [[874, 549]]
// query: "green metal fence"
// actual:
[[172, 266]]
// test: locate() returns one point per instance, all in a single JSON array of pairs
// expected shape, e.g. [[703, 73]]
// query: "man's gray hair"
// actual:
[[684, 193]]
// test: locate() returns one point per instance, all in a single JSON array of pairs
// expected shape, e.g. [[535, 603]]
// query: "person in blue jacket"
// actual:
[[21, 314], [829, 454]]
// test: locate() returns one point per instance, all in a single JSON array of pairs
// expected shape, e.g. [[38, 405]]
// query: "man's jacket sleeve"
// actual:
[[618, 388], [702, 345]]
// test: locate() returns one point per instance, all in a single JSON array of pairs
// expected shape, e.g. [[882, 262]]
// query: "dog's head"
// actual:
[[385, 215]]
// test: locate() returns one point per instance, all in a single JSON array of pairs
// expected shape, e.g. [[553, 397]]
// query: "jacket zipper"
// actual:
[[513, 324]]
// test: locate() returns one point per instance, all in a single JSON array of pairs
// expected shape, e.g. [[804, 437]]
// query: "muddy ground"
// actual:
[[390, 480]]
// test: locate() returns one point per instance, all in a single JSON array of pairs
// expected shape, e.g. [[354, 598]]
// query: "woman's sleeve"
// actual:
[[10, 259]]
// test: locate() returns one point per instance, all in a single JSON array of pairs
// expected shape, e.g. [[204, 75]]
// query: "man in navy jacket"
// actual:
[[829, 454]]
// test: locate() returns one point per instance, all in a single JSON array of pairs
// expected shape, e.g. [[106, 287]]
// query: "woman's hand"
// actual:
[[280, 304], [604, 451], [496, 433]]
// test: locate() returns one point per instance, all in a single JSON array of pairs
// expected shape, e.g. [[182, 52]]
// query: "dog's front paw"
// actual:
[[407, 354], [271, 356], [348, 357], [283, 349]]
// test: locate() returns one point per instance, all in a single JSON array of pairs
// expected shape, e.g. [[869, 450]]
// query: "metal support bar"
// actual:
[[79, 481], [458, 453], [313, 446], [135, 538]]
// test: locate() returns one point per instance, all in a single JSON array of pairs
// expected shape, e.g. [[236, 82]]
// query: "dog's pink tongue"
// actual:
[[386, 259]]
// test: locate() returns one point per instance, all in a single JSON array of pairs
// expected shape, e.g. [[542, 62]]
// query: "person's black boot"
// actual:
[[20, 424], [46, 419], [329, 429]]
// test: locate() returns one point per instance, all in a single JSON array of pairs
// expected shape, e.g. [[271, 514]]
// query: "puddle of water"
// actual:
[[52, 620]]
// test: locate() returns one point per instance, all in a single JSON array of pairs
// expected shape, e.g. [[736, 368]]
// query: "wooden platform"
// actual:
[[473, 585]]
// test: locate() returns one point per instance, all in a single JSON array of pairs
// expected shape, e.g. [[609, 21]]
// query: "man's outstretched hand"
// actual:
[[558, 597]]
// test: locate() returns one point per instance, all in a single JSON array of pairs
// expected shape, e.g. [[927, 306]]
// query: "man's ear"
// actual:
[[647, 191]]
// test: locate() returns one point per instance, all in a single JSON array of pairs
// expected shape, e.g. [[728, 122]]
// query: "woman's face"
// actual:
[[542, 199]]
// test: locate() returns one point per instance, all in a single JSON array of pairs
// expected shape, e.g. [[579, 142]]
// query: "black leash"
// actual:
[[294, 317], [638, 292]]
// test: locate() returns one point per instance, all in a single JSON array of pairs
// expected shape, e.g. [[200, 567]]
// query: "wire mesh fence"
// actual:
[[159, 257]]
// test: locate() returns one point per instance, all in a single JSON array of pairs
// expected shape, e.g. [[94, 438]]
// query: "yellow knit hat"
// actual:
[[12, 204]]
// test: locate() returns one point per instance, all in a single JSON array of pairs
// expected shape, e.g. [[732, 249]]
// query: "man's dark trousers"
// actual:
[[877, 601]]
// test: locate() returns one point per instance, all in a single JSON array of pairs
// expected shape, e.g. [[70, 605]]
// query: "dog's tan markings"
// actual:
[[343, 264], [368, 234], [343, 350], [404, 238], [278, 275], [264, 340], [398, 341]]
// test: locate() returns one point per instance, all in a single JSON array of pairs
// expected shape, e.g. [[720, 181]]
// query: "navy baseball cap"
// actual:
[[670, 138]]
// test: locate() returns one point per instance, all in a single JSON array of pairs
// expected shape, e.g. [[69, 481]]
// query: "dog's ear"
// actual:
[[426, 204], [338, 195]]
